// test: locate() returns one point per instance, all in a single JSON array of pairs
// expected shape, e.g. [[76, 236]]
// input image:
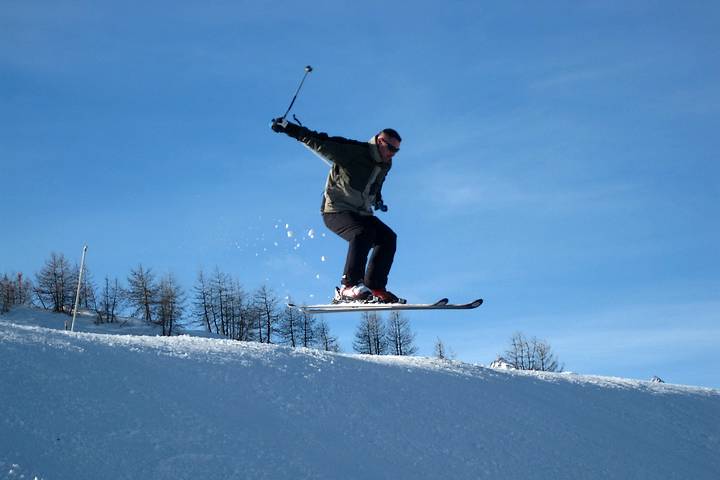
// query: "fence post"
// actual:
[[77, 295]]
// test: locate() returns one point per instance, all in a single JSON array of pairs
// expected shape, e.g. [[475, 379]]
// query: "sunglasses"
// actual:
[[390, 147]]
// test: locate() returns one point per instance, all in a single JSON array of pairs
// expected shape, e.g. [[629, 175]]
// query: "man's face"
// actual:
[[388, 146]]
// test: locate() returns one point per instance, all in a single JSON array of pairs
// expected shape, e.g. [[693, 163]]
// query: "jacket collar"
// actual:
[[375, 153]]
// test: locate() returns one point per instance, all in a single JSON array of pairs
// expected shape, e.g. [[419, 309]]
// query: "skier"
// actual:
[[352, 189]]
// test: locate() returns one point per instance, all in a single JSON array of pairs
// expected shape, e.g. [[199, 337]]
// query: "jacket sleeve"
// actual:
[[378, 192], [334, 149]]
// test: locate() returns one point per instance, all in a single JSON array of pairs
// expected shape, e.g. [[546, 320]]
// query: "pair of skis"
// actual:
[[442, 304]]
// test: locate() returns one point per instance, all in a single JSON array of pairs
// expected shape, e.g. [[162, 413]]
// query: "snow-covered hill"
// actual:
[[89, 405]]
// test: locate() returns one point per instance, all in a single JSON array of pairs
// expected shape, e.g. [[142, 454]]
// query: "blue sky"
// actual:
[[559, 159]]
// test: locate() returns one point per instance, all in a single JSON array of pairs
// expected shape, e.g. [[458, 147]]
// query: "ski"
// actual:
[[442, 304]]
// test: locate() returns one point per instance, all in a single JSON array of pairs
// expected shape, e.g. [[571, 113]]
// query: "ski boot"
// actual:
[[384, 296], [352, 293]]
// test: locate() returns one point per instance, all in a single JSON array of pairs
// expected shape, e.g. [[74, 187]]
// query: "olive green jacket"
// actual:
[[355, 180]]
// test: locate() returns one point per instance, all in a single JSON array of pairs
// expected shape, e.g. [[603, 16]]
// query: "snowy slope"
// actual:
[[89, 406]]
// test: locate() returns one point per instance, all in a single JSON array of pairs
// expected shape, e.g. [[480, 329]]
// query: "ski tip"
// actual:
[[477, 303]]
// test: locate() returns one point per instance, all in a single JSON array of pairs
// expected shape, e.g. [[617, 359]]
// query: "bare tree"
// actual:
[[545, 359], [289, 327], [14, 290], [202, 303], [171, 299], [142, 293], [220, 305], [265, 303], [7, 294], [400, 339], [87, 299], [308, 330], [518, 354], [325, 340], [23, 289], [370, 336], [55, 284], [220, 292], [110, 301], [531, 354], [443, 351], [239, 313], [297, 329], [440, 349]]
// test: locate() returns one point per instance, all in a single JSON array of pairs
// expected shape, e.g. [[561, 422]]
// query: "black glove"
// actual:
[[279, 125], [380, 205]]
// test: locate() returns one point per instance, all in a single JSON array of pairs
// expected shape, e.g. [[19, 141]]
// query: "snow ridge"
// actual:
[[91, 405]]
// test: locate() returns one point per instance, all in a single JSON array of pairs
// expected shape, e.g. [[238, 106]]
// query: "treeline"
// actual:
[[532, 354], [14, 290], [377, 337], [222, 306], [217, 302], [529, 354], [55, 286]]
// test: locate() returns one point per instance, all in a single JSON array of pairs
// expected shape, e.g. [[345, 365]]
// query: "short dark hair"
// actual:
[[391, 132]]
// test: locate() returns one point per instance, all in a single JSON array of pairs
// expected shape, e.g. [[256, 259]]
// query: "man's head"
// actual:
[[388, 142]]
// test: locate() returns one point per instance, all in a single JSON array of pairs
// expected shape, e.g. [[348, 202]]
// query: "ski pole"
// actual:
[[308, 69]]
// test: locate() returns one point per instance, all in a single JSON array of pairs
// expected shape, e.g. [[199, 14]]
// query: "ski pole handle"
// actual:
[[278, 124]]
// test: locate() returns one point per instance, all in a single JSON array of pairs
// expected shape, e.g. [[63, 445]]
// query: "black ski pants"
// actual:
[[365, 233]]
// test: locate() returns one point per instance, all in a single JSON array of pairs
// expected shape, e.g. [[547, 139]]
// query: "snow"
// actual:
[[501, 364], [89, 405]]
